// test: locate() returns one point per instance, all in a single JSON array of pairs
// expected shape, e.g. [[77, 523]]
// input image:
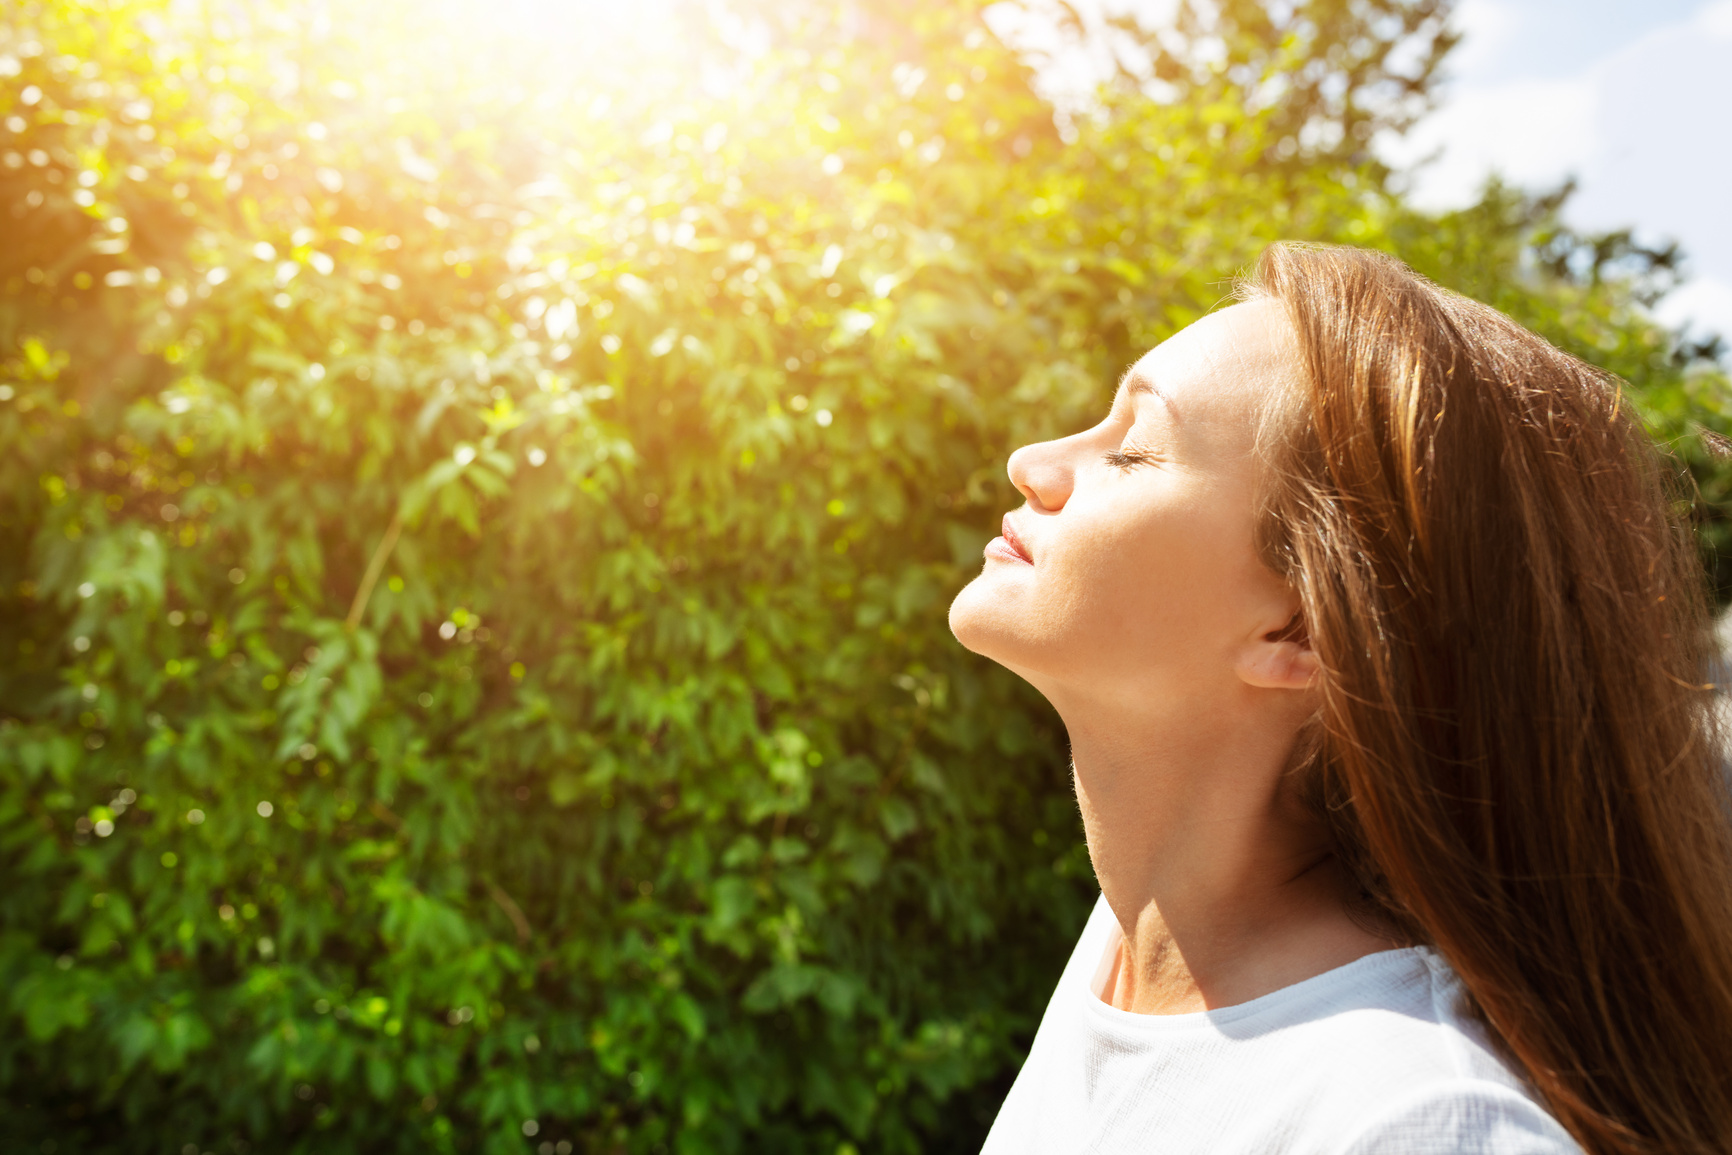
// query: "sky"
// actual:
[[1631, 97]]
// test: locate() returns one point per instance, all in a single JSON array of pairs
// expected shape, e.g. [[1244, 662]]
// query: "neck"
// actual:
[[1223, 888]]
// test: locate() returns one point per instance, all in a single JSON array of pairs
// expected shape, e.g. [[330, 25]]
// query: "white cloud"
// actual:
[[1487, 27], [1705, 304], [1717, 19], [1646, 129], [1533, 132]]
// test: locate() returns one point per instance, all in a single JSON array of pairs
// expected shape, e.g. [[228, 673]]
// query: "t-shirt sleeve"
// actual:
[[1464, 1117]]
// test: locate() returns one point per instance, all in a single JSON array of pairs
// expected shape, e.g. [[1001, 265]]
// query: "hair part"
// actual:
[[1513, 753]]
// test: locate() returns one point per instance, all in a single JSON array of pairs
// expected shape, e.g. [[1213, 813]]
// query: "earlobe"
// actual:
[[1272, 664], [1280, 659]]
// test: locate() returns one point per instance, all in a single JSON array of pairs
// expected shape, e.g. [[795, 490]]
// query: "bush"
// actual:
[[476, 541]]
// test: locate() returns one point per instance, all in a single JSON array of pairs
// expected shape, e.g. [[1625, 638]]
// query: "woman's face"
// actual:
[[1131, 570]]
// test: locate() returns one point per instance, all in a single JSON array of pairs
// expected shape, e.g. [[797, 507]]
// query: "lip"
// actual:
[[1009, 547]]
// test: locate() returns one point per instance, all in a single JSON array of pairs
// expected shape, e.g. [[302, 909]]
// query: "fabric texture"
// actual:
[[1373, 1058]]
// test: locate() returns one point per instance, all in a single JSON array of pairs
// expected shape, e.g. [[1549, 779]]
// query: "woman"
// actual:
[[1381, 661]]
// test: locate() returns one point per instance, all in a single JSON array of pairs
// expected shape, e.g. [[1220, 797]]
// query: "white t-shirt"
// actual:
[[1372, 1058]]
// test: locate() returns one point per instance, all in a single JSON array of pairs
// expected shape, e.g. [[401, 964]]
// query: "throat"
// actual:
[[1148, 976]]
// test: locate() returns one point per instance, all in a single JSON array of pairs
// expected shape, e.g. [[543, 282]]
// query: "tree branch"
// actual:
[[374, 569]]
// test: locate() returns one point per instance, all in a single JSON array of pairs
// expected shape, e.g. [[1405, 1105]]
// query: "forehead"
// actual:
[[1219, 368]]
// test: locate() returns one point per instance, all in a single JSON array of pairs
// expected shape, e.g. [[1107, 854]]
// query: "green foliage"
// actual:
[[476, 518]]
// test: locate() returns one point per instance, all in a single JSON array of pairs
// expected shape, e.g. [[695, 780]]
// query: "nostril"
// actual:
[[1041, 475], [1048, 490]]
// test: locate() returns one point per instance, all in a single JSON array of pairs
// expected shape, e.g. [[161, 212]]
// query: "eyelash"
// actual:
[[1126, 458]]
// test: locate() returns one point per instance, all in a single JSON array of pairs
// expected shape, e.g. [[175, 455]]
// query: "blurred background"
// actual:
[[481, 483], [1626, 98]]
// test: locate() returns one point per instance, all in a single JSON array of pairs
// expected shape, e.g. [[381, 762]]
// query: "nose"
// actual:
[[1043, 474]]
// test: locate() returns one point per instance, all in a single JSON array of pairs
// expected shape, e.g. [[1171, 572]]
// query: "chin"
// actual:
[[991, 620], [1017, 624], [965, 615]]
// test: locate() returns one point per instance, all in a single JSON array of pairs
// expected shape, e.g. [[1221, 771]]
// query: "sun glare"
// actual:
[[558, 46]]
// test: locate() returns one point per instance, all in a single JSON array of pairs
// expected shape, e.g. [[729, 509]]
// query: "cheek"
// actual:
[[1155, 577]]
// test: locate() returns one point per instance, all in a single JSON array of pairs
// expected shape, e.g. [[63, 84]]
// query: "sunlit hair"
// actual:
[[1513, 750]]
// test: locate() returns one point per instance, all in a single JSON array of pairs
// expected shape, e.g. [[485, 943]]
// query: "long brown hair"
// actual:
[[1514, 750]]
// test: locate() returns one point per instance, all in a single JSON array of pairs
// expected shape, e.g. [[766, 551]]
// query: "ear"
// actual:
[[1279, 659]]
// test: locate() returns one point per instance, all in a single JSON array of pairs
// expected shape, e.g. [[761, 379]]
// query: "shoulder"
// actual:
[[1462, 1117], [1399, 1067], [1400, 1021]]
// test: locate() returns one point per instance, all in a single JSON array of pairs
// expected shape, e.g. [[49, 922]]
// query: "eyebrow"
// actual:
[[1135, 382]]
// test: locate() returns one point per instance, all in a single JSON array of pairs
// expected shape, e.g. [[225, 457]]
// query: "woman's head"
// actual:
[[1468, 535], [1134, 570]]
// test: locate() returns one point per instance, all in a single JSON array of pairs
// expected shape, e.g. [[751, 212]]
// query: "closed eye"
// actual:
[[1126, 458]]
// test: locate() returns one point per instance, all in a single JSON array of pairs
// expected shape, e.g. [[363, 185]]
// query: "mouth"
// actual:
[[1009, 547]]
